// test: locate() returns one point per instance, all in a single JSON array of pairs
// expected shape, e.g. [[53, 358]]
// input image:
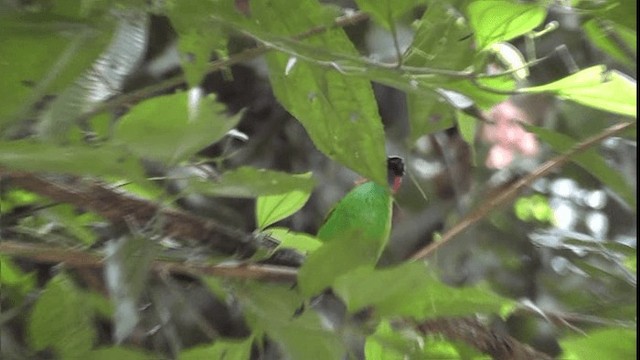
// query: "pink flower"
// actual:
[[507, 136]]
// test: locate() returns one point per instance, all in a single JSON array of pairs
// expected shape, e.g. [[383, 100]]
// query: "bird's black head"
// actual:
[[395, 171]]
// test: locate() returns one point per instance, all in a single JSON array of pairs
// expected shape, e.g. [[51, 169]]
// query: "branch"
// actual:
[[86, 259], [121, 208], [512, 191], [488, 341]]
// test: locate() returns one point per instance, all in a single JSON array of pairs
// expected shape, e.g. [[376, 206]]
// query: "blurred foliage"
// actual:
[[79, 102]]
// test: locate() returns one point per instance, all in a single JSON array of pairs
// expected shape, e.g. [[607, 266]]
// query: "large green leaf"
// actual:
[[339, 113], [172, 128], [410, 290], [61, 319], [589, 160], [248, 182], [273, 208], [502, 20], [597, 88], [271, 309], [73, 159]]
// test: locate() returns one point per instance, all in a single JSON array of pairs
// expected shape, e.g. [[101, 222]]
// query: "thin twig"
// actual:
[[512, 191]]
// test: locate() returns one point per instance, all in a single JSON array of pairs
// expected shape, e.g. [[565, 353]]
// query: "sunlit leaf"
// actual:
[[386, 343], [14, 281], [273, 208], [291, 239], [502, 20], [597, 88]]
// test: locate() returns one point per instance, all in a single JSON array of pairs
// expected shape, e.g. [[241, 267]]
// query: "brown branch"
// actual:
[[488, 341], [121, 208], [85, 259], [512, 191]]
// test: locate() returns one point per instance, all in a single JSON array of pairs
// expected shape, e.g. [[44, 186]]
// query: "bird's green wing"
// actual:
[[355, 233]]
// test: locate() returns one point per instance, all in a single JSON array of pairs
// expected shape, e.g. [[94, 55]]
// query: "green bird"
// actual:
[[354, 233]]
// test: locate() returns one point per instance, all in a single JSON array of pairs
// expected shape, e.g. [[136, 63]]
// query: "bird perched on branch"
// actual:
[[354, 233]]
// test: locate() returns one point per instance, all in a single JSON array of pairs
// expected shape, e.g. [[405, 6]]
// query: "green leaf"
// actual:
[[409, 290], [428, 113], [442, 40], [468, 126], [616, 40], [385, 12], [291, 239], [170, 129], [62, 320], [386, 343], [221, 349], [437, 44], [597, 88], [608, 343], [271, 309], [273, 208], [589, 160], [198, 37], [333, 259], [73, 159], [502, 20], [116, 352], [15, 280], [251, 182], [340, 114]]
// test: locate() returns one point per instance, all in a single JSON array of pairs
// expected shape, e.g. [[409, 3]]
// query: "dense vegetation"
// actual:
[[164, 166]]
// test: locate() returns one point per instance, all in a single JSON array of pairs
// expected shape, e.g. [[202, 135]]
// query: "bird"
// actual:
[[354, 233]]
